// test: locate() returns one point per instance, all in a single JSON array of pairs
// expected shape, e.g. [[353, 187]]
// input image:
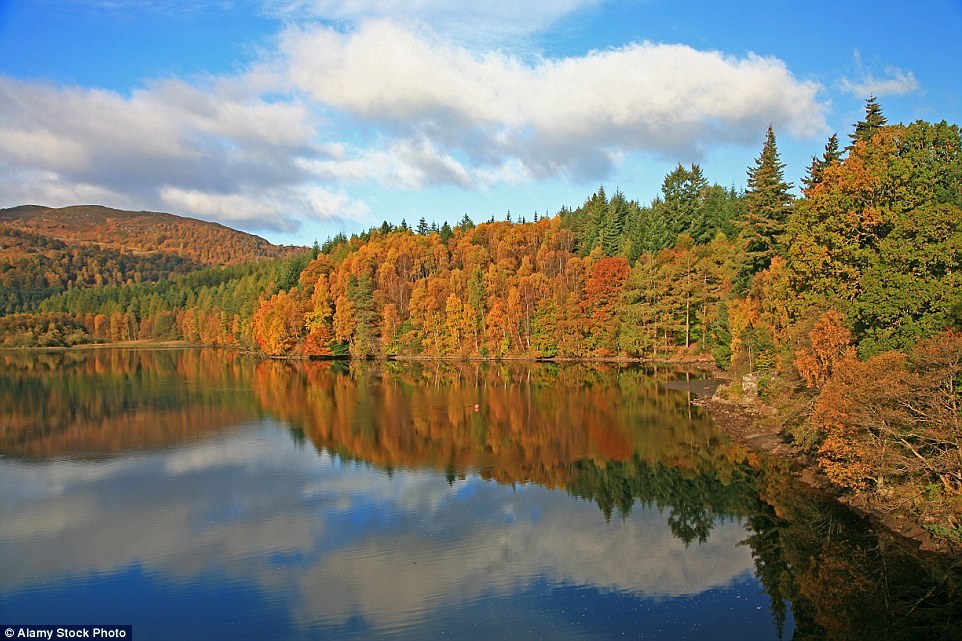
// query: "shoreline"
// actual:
[[751, 424]]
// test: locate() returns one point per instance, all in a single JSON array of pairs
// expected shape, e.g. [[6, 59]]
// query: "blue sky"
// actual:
[[296, 119]]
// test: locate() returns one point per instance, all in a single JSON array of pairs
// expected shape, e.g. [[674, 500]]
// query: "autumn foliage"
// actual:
[[829, 342]]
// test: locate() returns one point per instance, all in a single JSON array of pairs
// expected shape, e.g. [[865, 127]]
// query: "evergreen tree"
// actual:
[[816, 170], [612, 224], [683, 191], [423, 227], [868, 126], [466, 223], [588, 221], [768, 203], [446, 232]]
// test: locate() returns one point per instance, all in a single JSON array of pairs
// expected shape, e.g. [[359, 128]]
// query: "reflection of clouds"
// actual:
[[360, 544], [220, 451], [564, 545]]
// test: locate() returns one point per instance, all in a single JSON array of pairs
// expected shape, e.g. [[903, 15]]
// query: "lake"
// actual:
[[203, 494]]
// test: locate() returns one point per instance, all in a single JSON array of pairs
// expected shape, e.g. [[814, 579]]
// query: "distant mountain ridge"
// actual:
[[143, 232]]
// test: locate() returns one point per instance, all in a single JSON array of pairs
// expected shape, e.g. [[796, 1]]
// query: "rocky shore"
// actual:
[[752, 423]]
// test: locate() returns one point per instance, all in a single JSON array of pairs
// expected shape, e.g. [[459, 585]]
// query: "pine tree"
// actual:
[[768, 203], [873, 121], [422, 227]]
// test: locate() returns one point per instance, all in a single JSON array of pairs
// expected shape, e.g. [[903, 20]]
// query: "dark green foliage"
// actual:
[[867, 127], [694, 501], [331, 243], [816, 170], [768, 203], [883, 235], [446, 232], [622, 227]]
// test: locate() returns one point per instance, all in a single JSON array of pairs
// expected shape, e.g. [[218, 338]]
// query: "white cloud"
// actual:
[[212, 149], [237, 500], [896, 82], [557, 116], [280, 209]]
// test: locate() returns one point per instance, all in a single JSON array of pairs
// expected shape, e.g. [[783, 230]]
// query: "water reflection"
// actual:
[[355, 500]]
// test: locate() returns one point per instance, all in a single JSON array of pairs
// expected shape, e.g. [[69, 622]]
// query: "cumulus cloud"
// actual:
[[573, 116], [211, 149]]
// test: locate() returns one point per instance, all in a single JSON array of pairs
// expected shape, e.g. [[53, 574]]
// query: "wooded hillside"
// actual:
[[142, 232], [46, 251]]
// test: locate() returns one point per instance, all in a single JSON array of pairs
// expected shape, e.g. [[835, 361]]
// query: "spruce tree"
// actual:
[[873, 121], [446, 232], [768, 203], [816, 170]]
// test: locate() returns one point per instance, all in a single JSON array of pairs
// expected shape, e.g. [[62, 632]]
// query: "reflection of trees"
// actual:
[[533, 420], [693, 499], [107, 401], [845, 578], [613, 436], [607, 434], [842, 578]]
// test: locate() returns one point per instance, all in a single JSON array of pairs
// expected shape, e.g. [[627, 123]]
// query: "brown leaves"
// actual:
[[893, 419], [829, 342]]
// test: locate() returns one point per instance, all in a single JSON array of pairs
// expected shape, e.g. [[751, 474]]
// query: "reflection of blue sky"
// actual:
[[326, 543]]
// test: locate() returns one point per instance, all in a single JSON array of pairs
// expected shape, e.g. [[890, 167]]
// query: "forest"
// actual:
[[844, 302]]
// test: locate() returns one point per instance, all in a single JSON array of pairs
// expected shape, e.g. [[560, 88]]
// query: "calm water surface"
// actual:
[[204, 495]]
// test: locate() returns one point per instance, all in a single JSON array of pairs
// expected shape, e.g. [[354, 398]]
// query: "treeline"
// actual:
[[213, 306]]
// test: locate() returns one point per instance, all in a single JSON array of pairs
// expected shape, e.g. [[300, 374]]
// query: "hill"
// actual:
[[44, 251], [140, 232]]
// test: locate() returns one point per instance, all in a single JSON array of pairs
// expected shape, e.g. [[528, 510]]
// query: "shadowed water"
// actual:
[[206, 494]]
